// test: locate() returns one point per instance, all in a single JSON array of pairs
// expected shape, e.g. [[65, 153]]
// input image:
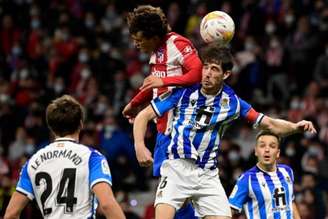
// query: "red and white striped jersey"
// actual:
[[176, 61]]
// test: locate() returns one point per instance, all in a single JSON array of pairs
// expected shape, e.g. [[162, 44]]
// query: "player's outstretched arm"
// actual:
[[107, 202], [17, 203], [283, 127], [139, 130]]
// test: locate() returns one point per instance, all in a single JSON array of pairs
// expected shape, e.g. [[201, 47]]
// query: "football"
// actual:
[[217, 26]]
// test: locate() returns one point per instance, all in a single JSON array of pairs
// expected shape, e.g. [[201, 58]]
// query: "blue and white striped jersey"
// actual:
[[264, 195], [200, 120], [60, 177]]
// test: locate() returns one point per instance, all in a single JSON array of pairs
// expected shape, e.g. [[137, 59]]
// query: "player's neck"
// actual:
[[267, 168], [74, 136], [211, 92]]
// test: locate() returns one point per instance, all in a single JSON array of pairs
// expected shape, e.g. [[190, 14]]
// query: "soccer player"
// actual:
[[201, 115], [266, 190], [173, 62], [65, 176]]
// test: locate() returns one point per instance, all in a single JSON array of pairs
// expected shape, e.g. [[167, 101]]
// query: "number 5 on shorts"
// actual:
[[163, 183]]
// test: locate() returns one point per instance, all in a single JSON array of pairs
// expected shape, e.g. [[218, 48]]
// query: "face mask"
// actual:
[[143, 57], [104, 47], [85, 73], [313, 150], [233, 156], [270, 28], [290, 151], [16, 50], [83, 57], [35, 24], [101, 108], [249, 46], [89, 23], [65, 36], [289, 19], [23, 74], [109, 129], [58, 88], [274, 44]]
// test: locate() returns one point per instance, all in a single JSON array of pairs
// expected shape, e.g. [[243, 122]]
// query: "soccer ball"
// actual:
[[217, 26]]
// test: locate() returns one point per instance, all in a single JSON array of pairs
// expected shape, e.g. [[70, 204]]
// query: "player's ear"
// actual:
[[278, 154], [81, 125], [226, 74], [255, 152]]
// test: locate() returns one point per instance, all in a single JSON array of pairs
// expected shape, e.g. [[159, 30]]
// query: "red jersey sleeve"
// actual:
[[191, 63], [142, 97]]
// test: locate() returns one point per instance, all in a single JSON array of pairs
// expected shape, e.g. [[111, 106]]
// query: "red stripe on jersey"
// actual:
[[252, 115]]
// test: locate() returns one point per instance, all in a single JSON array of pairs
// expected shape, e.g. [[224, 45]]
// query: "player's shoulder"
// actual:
[[284, 166], [228, 90], [178, 38], [252, 171]]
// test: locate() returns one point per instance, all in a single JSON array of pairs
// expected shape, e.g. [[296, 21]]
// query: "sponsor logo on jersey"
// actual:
[[224, 102], [105, 167], [187, 50], [159, 74], [160, 55]]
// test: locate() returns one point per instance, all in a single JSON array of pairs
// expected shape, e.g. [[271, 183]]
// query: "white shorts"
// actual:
[[182, 179]]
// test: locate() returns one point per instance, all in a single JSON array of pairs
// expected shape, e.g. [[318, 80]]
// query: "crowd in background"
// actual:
[[82, 47]]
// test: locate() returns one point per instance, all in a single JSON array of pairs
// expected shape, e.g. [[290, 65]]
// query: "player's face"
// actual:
[[213, 77], [267, 150], [144, 44]]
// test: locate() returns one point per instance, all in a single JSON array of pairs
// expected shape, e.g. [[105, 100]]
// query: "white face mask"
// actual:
[[289, 19], [83, 57], [85, 73], [270, 28], [104, 47], [290, 151], [58, 88]]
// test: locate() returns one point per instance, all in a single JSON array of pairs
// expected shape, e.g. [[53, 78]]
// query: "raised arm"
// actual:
[[139, 130], [283, 127]]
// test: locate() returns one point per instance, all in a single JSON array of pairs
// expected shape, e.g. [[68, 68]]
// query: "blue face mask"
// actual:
[[35, 24], [16, 50]]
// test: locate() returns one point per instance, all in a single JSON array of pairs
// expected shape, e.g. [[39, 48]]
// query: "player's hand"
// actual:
[[129, 112], [144, 156], [151, 82], [306, 126]]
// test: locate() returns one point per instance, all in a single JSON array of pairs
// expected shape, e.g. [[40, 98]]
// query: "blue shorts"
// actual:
[[162, 142]]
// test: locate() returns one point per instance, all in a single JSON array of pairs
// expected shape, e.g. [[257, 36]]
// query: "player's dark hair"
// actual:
[[64, 115], [267, 132], [151, 21], [214, 53]]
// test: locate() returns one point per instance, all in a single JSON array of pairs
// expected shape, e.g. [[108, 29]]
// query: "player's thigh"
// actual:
[[176, 183], [164, 211], [208, 197]]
